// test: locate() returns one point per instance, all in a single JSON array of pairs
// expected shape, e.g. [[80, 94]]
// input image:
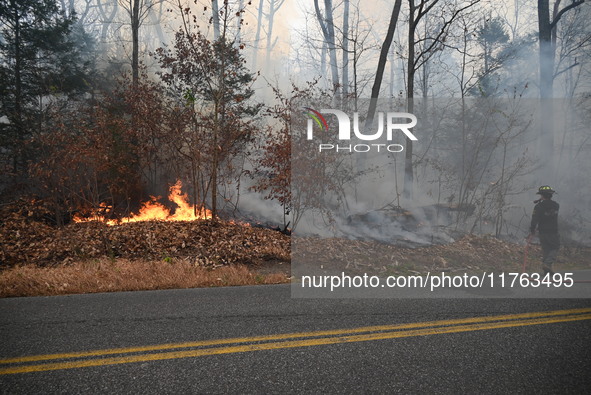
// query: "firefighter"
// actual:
[[545, 219]]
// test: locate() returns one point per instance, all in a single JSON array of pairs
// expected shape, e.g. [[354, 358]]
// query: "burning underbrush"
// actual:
[[151, 210], [202, 242], [37, 258]]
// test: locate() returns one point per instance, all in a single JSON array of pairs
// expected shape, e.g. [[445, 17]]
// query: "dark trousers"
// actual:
[[550, 245]]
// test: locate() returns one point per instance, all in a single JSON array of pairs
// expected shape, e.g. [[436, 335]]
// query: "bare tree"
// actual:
[[215, 19], [345, 83], [375, 90], [107, 16], [351, 45], [274, 6], [257, 37], [359, 31], [417, 12], [326, 23], [138, 11], [547, 40], [81, 11], [156, 21]]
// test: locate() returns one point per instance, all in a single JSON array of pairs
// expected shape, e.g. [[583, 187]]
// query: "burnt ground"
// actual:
[[470, 253]]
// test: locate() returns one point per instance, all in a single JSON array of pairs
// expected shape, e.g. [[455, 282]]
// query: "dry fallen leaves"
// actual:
[[24, 239]]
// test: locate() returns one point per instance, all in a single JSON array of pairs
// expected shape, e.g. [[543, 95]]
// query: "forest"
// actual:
[[106, 106]]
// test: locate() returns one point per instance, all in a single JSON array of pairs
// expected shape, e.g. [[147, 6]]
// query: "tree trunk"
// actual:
[[215, 160], [135, 27], [334, 68], [345, 83], [377, 83], [18, 95], [323, 52], [408, 169], [257, 37], [215, 17], [546, 57], [271, 18], [155, 20], [327, 27], [546, 51], [106, 20], [392, 72]]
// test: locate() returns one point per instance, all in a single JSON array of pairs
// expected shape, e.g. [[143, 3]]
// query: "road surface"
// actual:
[[259, 340]]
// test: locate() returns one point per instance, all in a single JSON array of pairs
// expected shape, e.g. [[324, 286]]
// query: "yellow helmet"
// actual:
[[545, 190]]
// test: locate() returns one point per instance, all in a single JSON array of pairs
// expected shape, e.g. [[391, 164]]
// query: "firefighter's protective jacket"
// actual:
[[545, 217]]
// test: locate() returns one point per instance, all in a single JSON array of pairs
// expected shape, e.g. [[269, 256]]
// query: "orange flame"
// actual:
[[155, 211]]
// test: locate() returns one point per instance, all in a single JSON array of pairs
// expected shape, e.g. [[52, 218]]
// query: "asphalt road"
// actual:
[[467, 352]]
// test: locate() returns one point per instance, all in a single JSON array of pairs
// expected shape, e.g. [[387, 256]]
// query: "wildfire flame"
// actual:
[[154, 211]]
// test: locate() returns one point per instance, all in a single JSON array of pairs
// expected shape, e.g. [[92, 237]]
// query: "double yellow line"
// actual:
[[115, 356]]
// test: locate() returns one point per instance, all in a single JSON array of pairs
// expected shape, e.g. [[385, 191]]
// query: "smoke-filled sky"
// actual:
[[297, 40]]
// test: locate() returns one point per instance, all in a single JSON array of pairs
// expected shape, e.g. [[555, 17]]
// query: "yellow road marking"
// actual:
[[283, 336], [347, 336]]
